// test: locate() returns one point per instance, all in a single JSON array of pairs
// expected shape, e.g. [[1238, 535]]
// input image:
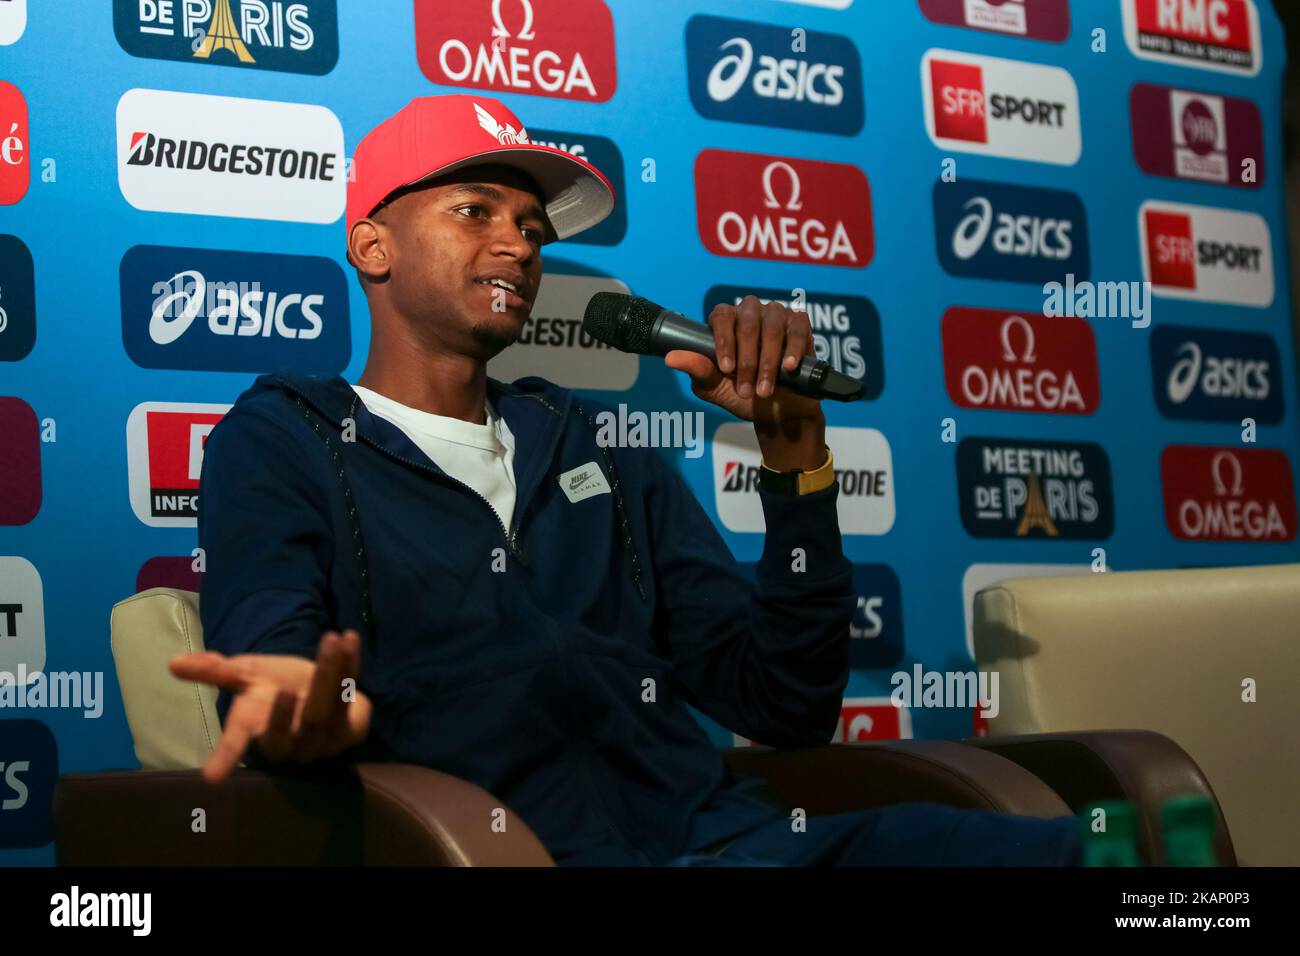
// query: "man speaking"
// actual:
[[434, 567]]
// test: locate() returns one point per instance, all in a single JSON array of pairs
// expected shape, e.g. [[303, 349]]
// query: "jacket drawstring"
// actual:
[[615, 487], [349, 503]]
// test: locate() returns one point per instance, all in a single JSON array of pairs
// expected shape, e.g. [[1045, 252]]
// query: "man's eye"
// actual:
[[467, 208]]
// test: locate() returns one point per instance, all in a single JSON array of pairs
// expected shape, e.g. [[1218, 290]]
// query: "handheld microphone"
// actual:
[[630, 323]]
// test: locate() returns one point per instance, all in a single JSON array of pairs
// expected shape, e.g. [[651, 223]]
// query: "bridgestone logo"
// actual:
[[865, 474], [150, 150], [226, 156]]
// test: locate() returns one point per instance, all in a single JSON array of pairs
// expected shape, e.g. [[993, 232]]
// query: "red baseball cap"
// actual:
[[434, 135]]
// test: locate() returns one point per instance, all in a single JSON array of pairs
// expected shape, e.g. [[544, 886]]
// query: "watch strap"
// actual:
[[797, 482]]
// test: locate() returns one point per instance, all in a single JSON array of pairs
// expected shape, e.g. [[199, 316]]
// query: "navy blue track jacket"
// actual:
[[521, 663]]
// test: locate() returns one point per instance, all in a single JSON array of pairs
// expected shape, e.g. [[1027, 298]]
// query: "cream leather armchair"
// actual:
[[1176, 652], [174, 723]]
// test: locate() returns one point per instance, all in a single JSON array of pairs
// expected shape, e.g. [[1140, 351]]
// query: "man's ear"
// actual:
[[368, 244]]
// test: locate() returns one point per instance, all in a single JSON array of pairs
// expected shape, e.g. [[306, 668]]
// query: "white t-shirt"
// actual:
[[482, 456]]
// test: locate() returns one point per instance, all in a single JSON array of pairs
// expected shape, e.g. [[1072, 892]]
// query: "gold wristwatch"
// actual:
[[797, 482]]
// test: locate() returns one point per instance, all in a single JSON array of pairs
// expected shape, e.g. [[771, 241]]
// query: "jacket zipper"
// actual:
[[584, 765], [509, 537]]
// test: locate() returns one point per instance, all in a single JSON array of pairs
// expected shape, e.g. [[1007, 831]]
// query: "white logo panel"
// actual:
[[165, 444], [13, 20], [22, 618], [553, 345], [997, 107], [227, 156], [1207, 254], [863, 465]]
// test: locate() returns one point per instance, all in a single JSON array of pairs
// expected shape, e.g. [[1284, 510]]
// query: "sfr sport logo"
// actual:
[[1215, 255], [997, 107]]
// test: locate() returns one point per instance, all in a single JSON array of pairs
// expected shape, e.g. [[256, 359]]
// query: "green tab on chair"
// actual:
[[1109, 833], [1189, 824]]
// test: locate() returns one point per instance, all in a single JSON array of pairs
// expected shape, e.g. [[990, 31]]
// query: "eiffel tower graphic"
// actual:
[[1036, 515], [222, 35]]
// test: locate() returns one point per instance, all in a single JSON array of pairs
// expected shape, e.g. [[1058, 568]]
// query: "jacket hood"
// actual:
[[335, 399], [535, 410]]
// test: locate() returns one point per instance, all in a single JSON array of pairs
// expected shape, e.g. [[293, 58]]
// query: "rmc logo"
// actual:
[[1219, 35], [560, 48]]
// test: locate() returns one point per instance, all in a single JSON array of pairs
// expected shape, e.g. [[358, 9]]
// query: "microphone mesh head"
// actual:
[[622, 321]]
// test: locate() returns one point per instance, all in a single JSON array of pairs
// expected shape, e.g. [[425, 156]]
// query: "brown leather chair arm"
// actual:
[[1140, 766], [837, 778], [369, 814]]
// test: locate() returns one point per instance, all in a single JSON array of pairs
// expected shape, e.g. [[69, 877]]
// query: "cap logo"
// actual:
[[505, 134]]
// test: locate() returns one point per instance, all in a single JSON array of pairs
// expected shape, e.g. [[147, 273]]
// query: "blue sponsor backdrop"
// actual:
[[82, 376]]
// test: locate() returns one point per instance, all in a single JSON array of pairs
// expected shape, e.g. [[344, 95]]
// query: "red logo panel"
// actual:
[[1221, 23], [792, 210], [20, 452], [959, 107], [1172, 250], [1007, 361], [176, 442], [860, 722], [560, 48], [15, 167], [1228, 494], [168, 571]]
